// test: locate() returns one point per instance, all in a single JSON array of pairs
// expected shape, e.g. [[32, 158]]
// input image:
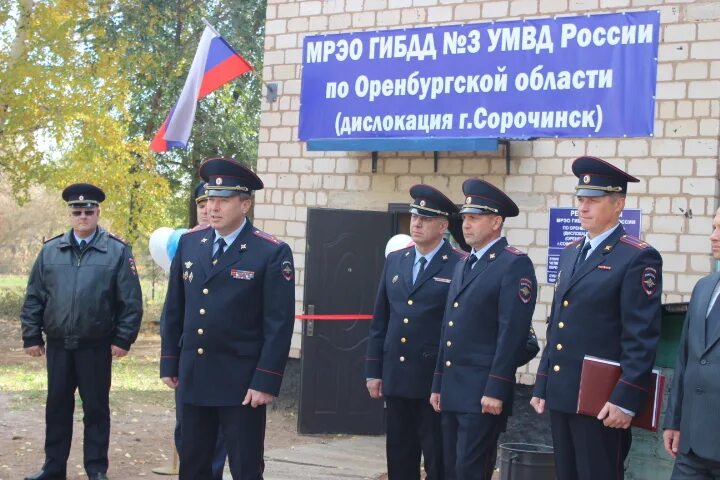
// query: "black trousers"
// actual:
[[413, 428], [87, 369], [244, 432], [585, 449], [470, 444], [218, 461], [689, 466]]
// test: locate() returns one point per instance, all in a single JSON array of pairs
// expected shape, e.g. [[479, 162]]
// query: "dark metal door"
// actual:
[[343, 264]]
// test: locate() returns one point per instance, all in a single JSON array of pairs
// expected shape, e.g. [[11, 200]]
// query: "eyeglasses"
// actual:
[[87, 213]]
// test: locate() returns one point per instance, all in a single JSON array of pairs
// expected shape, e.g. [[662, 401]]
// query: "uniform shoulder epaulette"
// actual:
[[267, 236], [119, 239], [635, 242], [53, 238], [196, 228], [574, 244], [514, 250]]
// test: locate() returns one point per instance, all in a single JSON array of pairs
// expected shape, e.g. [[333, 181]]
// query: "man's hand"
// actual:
[[671, 440], [35, 351], [374, 387], [255, 398], [117, 351], [435, 401], [538, 404], [613, 417], [171, 382], [491, 405]]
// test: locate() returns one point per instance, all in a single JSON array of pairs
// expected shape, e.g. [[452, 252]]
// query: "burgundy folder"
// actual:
[[597, 381]]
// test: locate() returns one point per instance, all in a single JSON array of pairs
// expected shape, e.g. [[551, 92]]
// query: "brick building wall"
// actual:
[[678, 167]]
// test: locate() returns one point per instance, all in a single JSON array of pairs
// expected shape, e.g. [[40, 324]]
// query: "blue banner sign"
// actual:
[[565, 228], [585, 76]]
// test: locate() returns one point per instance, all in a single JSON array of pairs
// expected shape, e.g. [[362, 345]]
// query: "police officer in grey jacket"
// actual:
[[692, 419], [84, 296]]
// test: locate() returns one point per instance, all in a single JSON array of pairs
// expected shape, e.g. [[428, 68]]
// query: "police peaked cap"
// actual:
[[200, 194], [83, 195], [226, 177], [431, 202], [596, 177], [483, 198]]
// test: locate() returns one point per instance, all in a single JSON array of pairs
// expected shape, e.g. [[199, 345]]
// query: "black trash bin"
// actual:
[[526, 461]]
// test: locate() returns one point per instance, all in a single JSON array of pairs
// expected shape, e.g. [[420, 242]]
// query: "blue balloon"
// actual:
[[173, 242]]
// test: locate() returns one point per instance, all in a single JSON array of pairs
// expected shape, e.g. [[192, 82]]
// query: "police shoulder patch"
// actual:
[[196, 228], [525, 290], [119, 239], [267, 236], [53, 238], [649, 281], [287, 270], [634, 242], [514, 250]]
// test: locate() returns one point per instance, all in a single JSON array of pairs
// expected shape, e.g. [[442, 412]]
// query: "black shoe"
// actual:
[[97, 476], [44, 475]]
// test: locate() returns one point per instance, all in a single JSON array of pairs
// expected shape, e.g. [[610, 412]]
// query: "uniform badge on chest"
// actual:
[[187, 274], [242, 274], [395, 278]]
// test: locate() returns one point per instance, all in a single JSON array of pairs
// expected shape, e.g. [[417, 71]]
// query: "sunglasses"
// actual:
[[87, 213]]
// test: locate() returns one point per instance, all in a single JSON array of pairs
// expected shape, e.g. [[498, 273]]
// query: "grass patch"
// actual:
[[135, 383], [13, 281]]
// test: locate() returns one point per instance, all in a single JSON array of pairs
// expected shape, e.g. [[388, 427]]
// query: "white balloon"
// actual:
[[397, 242], [158, 247]]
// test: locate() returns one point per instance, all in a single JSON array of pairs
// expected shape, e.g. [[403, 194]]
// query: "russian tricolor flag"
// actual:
[[214, 65]]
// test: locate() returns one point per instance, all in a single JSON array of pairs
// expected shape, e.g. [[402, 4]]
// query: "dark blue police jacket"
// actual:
[[485, 329], [609, 308], [228, 326], [405, 331]]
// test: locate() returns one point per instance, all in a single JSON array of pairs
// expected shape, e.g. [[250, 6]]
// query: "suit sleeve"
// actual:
[[278, 321], [33, 308], [673, 414], [378, 330], [129, 309], [173, 317], [518, 293], [640, 314]]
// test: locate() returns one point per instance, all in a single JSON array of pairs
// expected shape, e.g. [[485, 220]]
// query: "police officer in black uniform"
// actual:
[[404, 336], [606, 304], [229, 320], [484, 334], [84, 295]]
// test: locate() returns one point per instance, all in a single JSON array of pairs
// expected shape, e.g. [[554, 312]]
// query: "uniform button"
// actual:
[[410, 302], [698, 390], [450, 323], [406, 320], [402, 359], [559, 346], [202, 311], [561, 325], [200, 351], [200, 331], [456, 304], [403, 340], [448, 363], [556, 368], [449, 343], [205, 291], [703, 362], [566, 303]]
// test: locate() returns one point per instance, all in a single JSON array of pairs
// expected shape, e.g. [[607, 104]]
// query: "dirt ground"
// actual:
[[142, 419]]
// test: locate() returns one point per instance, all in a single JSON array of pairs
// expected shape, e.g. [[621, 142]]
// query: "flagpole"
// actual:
[[254, 72]]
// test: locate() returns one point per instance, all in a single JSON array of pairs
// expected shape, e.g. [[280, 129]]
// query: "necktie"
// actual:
[[581, 258], [422, 263], [83, 244], [221, 248], [468, 265]]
